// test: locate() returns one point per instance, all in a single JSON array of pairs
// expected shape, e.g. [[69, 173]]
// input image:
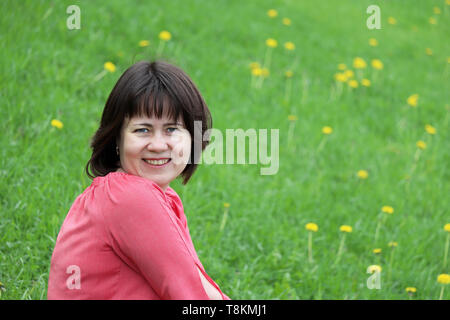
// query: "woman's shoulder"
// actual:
[[122, 187]]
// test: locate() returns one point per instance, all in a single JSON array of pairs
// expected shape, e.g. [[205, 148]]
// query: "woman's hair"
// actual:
[[151, 89]]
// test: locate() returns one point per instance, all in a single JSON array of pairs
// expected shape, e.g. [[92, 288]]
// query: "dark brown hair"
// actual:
[[151, 89]]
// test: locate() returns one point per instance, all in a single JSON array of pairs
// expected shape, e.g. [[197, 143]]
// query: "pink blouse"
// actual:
[[124, 238]]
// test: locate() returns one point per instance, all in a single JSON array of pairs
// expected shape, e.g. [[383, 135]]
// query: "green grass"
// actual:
[[47, 73]]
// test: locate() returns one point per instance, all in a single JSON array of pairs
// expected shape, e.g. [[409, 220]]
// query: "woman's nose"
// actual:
[[158, 143]]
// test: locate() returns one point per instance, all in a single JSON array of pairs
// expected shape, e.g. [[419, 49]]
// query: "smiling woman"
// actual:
[[126, 235]]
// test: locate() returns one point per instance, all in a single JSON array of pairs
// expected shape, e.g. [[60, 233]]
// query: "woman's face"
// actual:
[[155, 149]]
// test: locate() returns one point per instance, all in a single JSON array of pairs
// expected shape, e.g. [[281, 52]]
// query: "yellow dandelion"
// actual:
[[392, 244], [373, 42], [165, 35], [410, 290], [272, 43], [362, 174], [448, 59], [349, 73], [144, 43], [412, 100], [57, 124], [289, 46], [226, 204], [387, 209], [374, 268], [311, 227], [257, 71], [365, 82], [353, 83], [345, 228], [254, 65], [340, 76], [342, 66], [421, 144], [288, 74], [429, 52], [436, 10], [443, 278], [292, 117], [447, 2], [377, 64], [327, 130], [392, 20], [377, 250], [359, 63], [430, 129], [109, 66], [432, 20], [447, 227], [265, 72], [286, 21], [272, 13]]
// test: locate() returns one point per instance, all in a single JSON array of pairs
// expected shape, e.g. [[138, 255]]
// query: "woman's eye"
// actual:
[[171, 130], [139, 130]]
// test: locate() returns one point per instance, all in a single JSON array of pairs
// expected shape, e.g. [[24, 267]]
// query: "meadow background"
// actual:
[[260, 250]]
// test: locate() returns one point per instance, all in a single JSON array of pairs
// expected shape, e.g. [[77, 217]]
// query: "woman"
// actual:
[[126, 235]]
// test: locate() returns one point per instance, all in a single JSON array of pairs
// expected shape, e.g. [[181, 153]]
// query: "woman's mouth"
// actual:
[[157, 162]]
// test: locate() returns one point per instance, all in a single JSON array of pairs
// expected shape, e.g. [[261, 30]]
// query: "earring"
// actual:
[[117, 150]]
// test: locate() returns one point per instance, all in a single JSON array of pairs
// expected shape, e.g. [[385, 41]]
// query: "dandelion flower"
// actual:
[[377, 250], [288, 74], [443, 278], [411, 290], [387, 209], [340, 76], [374, 268], [311, 227], [57, 124], [436, 10], [412, 100], [257, 72], [353, 83], [432, 20], [226, 205], [349, 73], [429, 52], [342, 66], [362, 174], [430, 129], [345, 228], [392, 244], [289, 46], [373, 42], [144, 43], [327, 130], [272, 43], [377, 64], [365, 82], [421, 144], [447, 227], [392, 20], [292, 117], [272, 13], [447, 2], [254, 65], [109, 66], [165, 35], [286, 21], [359, 63]]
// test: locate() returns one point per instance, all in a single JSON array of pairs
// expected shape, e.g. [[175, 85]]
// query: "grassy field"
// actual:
[[262, 252]]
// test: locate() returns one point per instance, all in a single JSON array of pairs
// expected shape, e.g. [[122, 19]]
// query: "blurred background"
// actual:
[[363, 181]]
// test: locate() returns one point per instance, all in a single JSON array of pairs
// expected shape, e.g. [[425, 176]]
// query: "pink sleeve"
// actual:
[[144, 235]]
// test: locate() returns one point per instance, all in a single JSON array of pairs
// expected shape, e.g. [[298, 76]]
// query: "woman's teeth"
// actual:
[[157, 162]]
